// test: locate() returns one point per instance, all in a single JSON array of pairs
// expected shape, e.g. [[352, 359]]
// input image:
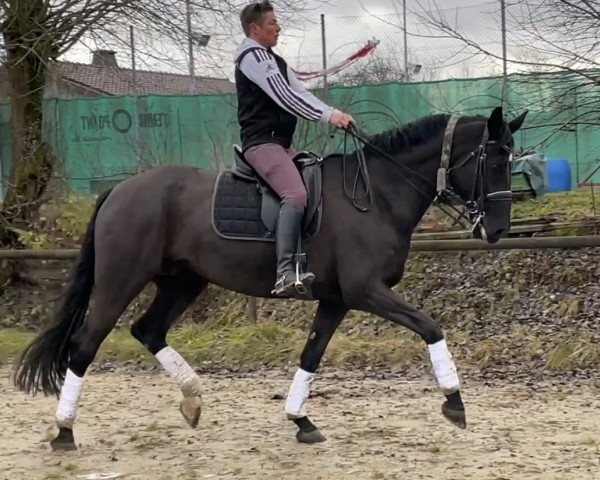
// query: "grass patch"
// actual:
[[267, 343], [575, 205], [564, 353], [271, 344], [572, 352], [12, 342], [394, 348]]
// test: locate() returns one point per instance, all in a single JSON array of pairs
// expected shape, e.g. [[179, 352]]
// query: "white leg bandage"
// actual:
[[444, 368], [179, 369], [69, 398], [295, 405]]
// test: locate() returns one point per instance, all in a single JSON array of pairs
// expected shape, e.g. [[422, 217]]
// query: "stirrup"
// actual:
[[299, 284], [301, 278]]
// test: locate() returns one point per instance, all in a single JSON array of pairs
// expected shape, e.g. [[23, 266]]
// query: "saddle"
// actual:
[[244, 207]]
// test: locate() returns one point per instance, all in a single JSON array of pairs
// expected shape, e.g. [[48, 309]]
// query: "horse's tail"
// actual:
[[43, 363]]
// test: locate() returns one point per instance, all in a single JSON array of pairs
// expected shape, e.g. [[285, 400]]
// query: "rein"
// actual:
[[474, 206], [362, 172]]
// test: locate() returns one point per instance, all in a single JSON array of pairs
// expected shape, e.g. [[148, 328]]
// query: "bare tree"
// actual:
[[553, 43]]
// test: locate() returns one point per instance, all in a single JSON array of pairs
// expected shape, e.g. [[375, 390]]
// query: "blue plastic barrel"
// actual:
[[559, 175]]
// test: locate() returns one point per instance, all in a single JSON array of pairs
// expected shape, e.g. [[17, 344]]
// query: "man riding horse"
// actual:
[[270, 98]]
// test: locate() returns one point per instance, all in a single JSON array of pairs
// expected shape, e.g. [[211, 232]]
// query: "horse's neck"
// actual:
[[406, 195]]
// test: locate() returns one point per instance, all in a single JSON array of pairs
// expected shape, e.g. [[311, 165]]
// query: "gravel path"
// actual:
[[129, 424]]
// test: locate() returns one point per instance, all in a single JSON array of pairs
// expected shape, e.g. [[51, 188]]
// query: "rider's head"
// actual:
[[260, 24]]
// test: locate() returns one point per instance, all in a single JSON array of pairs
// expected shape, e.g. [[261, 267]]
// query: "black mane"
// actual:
[[409, 135]]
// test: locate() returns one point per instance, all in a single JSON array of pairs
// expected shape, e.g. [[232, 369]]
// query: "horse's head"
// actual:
[[480, 171]]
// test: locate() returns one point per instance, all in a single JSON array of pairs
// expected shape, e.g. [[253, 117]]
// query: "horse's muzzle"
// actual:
[[496, 222]]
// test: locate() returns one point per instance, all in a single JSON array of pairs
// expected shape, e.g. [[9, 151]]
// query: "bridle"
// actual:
[[474, 205]]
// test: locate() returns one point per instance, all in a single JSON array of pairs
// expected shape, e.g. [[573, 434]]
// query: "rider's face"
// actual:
[[267, 33]]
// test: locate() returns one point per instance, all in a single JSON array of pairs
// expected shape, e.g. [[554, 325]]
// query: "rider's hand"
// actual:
[[341, 119]]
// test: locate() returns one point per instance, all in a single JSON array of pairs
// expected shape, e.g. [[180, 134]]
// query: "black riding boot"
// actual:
[[289, 224]]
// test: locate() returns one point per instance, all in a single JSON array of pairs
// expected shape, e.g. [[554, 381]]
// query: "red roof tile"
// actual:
[[119, 81]]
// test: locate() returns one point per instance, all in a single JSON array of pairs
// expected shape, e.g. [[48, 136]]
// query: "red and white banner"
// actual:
[[368, 49]]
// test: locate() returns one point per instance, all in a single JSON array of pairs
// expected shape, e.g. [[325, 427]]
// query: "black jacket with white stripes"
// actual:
[[270, 97]]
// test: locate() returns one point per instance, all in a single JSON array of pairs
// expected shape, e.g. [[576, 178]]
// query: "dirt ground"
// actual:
[[129, 424]]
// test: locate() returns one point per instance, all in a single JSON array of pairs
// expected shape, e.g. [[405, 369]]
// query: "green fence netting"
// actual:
[[99, 141]]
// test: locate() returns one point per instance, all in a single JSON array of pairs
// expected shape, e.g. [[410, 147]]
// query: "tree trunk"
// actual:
[[32, 161]]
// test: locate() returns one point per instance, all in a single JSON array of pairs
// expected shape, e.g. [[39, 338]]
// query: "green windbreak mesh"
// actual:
[[99, 141]]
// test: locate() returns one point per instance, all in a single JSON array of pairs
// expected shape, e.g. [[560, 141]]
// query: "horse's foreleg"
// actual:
[[327, 319], [384, 303]]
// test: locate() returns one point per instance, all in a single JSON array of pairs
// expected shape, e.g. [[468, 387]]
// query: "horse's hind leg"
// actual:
[[174, 295], [109, 303]]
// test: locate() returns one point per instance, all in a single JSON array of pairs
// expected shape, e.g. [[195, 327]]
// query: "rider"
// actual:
[[270, 98]]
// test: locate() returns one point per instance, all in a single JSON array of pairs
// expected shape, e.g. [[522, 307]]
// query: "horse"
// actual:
[[158, 227]]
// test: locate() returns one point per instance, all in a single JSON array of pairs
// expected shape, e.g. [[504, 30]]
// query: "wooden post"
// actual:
[[252, 310]]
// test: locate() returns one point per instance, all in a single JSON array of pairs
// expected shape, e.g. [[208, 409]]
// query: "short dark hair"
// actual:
[[253, 13]]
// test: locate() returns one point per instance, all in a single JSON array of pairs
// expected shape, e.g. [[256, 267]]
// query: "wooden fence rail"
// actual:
[[416, 246], [455, 245]]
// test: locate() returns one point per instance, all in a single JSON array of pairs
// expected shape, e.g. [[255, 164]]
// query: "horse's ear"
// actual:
[[495, 123], [515, 124]]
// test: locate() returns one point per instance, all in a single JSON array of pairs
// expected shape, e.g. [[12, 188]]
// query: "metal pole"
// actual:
[[324, 50], [136, 109], [576, 112], [406, 73], [188, 10], [504, 59], [133, 71]]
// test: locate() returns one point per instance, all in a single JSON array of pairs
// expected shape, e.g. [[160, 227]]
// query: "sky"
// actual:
[[353, 7], [349, 26]]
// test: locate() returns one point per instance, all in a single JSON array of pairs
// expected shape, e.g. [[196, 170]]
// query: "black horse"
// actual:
[[159, 227]]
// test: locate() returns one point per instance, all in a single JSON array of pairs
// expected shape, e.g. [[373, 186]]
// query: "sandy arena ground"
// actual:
[[129, 424]]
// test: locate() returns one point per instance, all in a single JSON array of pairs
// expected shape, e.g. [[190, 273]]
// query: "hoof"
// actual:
[[456, 415], [64, 442], [190, 408], [307, 431], [310, 437]]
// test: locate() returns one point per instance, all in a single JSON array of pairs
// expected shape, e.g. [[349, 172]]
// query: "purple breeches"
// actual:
[[274, 164]]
